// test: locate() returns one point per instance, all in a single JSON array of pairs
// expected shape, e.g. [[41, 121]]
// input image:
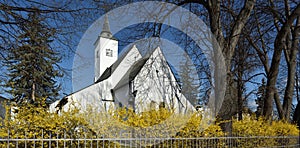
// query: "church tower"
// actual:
[[106, 50]]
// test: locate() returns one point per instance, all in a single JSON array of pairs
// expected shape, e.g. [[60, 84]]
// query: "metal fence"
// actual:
[[230, 142]]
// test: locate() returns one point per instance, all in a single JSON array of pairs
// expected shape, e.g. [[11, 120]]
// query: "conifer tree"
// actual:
[[189, 84], [261, 93], [32, 63]]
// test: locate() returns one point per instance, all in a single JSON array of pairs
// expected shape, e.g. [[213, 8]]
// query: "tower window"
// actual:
[[109, 52], [97, 54]]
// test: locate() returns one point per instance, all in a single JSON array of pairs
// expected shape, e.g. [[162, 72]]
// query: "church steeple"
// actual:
[[106, 30], [106, 50]]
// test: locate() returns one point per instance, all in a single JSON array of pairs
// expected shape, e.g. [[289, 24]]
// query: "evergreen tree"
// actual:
[[189, 85], [32, 63], [261, 93]]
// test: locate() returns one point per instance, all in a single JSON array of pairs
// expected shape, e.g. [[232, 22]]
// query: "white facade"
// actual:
[[91, 96], [156, 84], [132, 81], [106, 53], [99, 95], [137, 82]]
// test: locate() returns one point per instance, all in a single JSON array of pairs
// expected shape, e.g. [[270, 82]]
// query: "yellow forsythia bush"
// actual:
[[30, 121], [164, 123], [144, 119], [191, 126], [195, 128], [252, 127], [266, 132], [36, 122]]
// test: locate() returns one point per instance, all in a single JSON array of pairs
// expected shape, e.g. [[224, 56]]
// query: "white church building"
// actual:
[[131, 81]]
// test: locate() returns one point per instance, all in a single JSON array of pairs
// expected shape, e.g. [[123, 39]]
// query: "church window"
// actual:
[[109, 52], [97, 54]]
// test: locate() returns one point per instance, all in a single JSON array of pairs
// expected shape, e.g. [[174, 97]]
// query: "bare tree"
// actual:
[[280, 44], [267, 20], [228, 43], [244, 67]]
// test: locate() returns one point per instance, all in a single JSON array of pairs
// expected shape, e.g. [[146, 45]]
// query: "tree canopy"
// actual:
[[32, 63]]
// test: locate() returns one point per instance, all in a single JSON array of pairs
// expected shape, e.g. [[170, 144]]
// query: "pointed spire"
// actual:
[[106, 30]]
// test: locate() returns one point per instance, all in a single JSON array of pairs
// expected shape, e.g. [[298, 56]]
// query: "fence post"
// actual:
[[25, 140], [42, 137], [50, 139], [103, 140], [64, 138], [97, 141], [17, 142], [85, 139], [8, 138], [56, 140], [78, 142], [34, 140]]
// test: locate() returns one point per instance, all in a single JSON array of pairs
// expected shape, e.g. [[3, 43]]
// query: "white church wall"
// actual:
[[91, 96], [106, 53], [155, 83], [52, 107]]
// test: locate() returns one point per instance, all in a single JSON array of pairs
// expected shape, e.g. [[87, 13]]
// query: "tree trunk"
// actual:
[[296, 117], [278, 104], [291, 62], [279, 45], [228, 108]]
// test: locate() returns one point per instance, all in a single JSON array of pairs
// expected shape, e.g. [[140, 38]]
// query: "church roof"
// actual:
[[105, 33], [137, 66], [107, 73], [132, 72], [106, 29]]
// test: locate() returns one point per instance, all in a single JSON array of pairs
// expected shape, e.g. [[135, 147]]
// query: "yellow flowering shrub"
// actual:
[[195, 128], [36, 122], [266, 131], [144, 119], [252, 127], [161, 123]]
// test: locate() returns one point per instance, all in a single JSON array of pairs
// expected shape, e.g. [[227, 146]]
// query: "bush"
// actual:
[[35, 122], [267, 132], [252, 127]]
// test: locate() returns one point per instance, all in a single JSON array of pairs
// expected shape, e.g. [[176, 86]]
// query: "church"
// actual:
[[136, 81]]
